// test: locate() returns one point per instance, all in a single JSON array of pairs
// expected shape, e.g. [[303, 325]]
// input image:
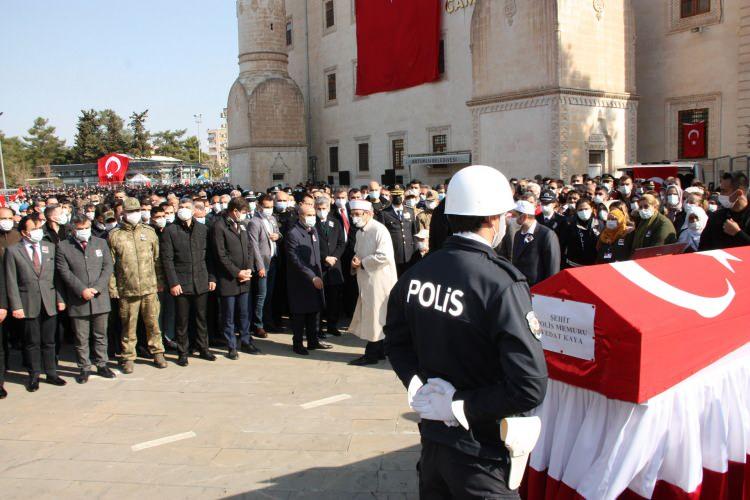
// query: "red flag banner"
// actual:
[[112, 168], [398, 44], [656, 174], [694, 140]]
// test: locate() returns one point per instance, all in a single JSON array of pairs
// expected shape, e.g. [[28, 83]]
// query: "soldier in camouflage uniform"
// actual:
[[137, 278]]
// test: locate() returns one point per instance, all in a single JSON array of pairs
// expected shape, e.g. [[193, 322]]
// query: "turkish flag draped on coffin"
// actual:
[[398, 44], [112, 168], [694, 140]]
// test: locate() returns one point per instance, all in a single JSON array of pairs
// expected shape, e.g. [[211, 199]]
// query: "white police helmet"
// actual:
[[479, 190]]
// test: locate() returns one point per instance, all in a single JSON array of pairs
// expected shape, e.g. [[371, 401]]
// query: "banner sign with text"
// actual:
[[567, 326]]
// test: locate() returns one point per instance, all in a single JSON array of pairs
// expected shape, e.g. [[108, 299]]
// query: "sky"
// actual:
[[176, 58]]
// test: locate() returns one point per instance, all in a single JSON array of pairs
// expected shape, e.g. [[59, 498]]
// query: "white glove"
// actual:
[[435, 402]]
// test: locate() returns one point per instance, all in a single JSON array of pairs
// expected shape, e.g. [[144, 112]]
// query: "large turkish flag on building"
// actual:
[[694, 140], [112, 168], [398, 44]]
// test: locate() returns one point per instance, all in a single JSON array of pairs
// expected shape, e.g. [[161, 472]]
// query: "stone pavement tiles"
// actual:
[[214, 430]]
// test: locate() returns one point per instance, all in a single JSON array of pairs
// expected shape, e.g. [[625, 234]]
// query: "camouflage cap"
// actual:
[[109, 215], [131, 204]]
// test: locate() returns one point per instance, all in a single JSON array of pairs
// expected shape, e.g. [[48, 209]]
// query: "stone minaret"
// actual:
[[266, 110]]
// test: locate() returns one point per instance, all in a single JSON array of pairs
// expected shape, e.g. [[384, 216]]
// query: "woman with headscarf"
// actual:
[[653, 229], [692, 200], [616, 239], [578, 239], [673, 203], [696, 223]]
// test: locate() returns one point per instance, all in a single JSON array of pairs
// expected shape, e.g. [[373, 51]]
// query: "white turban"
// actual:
[[360, 205]]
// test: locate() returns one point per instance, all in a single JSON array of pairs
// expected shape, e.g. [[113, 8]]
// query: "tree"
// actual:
[[140, 145], [114, 135], [43, 146], [89, 143], [16, 160], [170, 143], [190, 150]]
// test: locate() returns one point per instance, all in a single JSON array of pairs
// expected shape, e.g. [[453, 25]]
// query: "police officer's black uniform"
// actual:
[[464, 314], [402, 230]]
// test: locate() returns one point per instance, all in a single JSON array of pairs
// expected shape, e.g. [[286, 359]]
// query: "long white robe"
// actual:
[[375, 278]]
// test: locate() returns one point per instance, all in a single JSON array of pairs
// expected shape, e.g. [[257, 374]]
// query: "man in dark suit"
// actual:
[[84, 266], [550, 217], [234, 262], [286, 218], [264, 233], [33, 298], [183, 247], [402, 225], [11, 331], [332, 246], [305, 281], [536, 249], [3, 325], [344, 216]]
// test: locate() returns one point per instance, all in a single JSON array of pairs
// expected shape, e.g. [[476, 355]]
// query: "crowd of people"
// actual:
[[137, 272]]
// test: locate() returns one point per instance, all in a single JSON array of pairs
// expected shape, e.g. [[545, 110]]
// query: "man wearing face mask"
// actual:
[[401, 223], [375, 267], [729, 226], [84, 265], [536, 250], [158, 222], [425, 216], [305, 281], [463, 338], [332, 246], [264, 234], [550, 217], [189, 276], [137, 278], [55, 228], [30, 267], [234, 271]]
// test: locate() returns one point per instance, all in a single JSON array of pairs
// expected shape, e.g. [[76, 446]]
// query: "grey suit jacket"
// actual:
[[260, 241], [78, 270], [26, 289]]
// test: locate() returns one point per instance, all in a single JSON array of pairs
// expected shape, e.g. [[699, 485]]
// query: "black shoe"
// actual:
[[33, 384], [182, 360], [250, 349], [83, 377], [300, 349], [55, 380], [381, 357], [335, 333], [232, 354], [169, 345], [3, 392], [207, 355], [142, 352], [322, 335], [105, 372], [363, 361], [319, 346]]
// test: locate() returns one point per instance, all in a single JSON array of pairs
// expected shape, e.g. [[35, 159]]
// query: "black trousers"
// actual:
[[305, 324], [446, 473], [375, 350], [3, 350], [39, 344], [114, 329], [402, 268], [334, 301], [184, 306]]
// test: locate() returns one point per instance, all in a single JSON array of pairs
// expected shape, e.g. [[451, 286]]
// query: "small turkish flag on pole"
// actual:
[[694, 140]]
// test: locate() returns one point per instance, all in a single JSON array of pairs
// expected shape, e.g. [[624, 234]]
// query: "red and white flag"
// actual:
[[112, 168], [694, 140]]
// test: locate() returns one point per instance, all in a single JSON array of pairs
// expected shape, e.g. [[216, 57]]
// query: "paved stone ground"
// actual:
[[252, 438]]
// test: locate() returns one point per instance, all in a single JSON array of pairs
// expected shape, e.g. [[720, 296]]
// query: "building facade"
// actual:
[[550, 87], [217, 143]]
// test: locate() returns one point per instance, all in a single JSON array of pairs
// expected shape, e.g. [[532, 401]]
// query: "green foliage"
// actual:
[[114, 136], [140, 144], [16, 160], [89, 142], [43, 146]]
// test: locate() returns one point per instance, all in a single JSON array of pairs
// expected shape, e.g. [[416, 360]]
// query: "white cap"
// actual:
[[360, 205], [525, 207], [478, 190]]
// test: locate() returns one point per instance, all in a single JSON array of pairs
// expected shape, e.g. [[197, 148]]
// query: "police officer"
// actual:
[[137, 278], [550, 216], [401, 222], [462, 337]]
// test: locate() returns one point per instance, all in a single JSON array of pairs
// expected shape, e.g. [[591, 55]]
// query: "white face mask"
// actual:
[[724, 201], [110, 226], [712, 207], [497, 238], [161, 223], [91, 216], [310, 220], [83, 234], [323, 214], [170, 218], [673, 200], [217, 208], [133, 218], [695, 226], [374, 195], [358, 222], [185, 214], [6, 225], [421, 245], [62, 219], [598, 199], [584, 215], [36, 235], [200, 220], [268, 212], [224, 205], [341, 202], [603, 214], [634, 206], [625, 190], [410, 203], [242, 217], [430, 205], [548, 210], [612, 224], [646, 213], [512, 222], [281, 205], [145, 216]]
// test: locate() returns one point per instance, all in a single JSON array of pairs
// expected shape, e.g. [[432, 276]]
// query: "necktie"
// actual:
[[345, 221], [398, 212], [83, 245], [36, 259]]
